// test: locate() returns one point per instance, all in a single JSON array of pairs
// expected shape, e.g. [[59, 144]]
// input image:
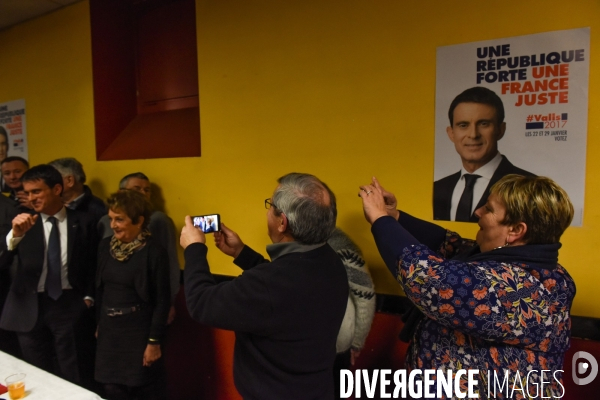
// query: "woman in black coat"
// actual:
[[133, 299]]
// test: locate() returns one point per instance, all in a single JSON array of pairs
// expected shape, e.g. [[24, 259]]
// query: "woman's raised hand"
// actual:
[[373, 202]]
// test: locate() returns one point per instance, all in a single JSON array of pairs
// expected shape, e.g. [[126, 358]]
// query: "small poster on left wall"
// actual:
[[13, 129], [13, 132]]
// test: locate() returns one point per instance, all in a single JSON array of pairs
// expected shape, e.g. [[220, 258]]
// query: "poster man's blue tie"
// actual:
[[53, 280], [465, 204]]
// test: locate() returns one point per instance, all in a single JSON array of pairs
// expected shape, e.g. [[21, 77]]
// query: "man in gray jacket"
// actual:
[[286, 312]]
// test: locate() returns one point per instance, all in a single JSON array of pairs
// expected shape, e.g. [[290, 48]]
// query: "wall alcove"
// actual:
[[145, 76]]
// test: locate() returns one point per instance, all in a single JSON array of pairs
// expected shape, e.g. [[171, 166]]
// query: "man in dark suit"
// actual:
[[76, 195], [8, 210], [12, 168], [54, 281], [476, 125]]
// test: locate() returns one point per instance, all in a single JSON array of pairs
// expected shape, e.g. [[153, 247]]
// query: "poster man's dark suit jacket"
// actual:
[[442, 189], [21, 308]]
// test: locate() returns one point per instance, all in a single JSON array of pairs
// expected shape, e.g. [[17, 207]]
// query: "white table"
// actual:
[[41, 385]]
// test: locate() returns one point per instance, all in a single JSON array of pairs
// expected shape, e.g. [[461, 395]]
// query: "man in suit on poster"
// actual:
[[476, 125], [54, 282]]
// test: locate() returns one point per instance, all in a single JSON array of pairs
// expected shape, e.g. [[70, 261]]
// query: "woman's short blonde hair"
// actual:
[[538, 202], [133, 204]]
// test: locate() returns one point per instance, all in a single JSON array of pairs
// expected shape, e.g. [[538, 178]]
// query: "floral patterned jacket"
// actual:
[[506, 311]]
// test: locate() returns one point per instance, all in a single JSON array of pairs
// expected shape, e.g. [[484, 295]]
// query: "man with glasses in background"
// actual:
[[286, 313]]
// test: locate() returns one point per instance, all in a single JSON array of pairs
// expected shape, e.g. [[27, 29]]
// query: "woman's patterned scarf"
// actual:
[[122, 251]]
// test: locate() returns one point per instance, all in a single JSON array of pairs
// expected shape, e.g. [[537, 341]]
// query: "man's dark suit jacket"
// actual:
[[8, 210], [90, 204], [443, 189], [21, 308]]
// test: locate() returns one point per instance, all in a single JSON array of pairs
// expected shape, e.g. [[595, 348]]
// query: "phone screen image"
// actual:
[[208, 223]]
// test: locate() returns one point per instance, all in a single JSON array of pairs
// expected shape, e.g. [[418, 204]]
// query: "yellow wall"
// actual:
[[341, 89]]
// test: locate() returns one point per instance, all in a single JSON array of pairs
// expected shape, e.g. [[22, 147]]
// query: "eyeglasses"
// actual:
[[269, 204]]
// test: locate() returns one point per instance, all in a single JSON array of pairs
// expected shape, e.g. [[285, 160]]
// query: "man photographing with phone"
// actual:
[[287, 312]]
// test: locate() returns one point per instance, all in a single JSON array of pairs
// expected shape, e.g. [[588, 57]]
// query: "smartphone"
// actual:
[[208, 223]]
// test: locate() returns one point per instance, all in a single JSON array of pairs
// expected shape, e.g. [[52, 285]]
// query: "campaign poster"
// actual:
[[542, 80], [13, 130]]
